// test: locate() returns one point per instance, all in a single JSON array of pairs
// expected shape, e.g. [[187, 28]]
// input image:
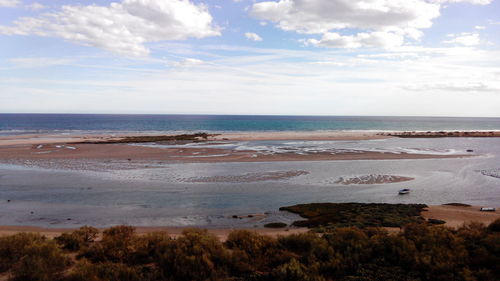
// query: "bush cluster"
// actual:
[[333, 215], [419, 252]]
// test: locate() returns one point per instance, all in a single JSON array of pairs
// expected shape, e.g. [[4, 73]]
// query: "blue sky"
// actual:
[[295, 57]]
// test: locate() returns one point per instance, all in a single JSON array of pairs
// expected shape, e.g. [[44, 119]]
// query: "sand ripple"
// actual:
[[372, 179], [495, 173], [250, 177]]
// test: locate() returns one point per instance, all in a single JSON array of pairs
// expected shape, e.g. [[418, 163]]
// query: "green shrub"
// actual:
[[308, 247], [85, 271], [149, 247], [294, 271], [13, 248], [419, 252], [116, 245], [78, 239], [436, 221], [253, 252], [360, 215], [41, 261], [196, 255], [494, 226], [275, 225], [457, 204]]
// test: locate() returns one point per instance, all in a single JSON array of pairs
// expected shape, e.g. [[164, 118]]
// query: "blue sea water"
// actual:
[[28, 123]]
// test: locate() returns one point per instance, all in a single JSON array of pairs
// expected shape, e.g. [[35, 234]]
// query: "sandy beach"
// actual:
[[18, 149], [456, 216]]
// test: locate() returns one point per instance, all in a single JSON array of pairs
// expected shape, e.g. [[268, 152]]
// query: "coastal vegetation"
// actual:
[[443, 134], [457, 204], [164, 138], [417, 252], [275, 225], [324, 216]]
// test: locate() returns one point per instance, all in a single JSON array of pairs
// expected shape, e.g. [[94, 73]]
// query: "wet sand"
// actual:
[[373, 179], [18, 154]]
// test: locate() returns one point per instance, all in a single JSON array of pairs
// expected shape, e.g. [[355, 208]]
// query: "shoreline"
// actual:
[[454, 216]]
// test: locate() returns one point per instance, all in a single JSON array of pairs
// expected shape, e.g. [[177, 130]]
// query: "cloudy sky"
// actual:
[[292, 57]]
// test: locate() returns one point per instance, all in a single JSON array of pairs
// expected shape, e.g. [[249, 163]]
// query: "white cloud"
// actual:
[[465, 38], [370, 40], [122, 28], [321, 16], [35, 6], [253, 36], [475, 2], [188, 62], [30, 62], [448, 81], [9, 3], [375, 20], [455, 87], [479, 27]]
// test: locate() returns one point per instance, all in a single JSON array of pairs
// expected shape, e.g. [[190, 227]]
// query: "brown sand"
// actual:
[[16, 154], [456, 216]]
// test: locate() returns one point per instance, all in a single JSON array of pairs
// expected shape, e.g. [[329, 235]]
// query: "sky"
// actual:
[[271, 57]]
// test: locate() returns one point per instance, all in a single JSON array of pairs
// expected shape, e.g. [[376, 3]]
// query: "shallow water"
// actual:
[[161, 195]]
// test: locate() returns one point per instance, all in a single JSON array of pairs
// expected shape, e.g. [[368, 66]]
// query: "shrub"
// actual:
[[85, 271], [78, 239], [196, 255], [294, 271], [440, 253], [457, 204], [355, 214], [150, 247], [13, 248], [435, 221], [275, 225], [254, 252], [494, 226], [116, 245], [42, 261]]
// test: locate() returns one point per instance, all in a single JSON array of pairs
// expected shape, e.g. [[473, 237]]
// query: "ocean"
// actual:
[[64, 123]]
